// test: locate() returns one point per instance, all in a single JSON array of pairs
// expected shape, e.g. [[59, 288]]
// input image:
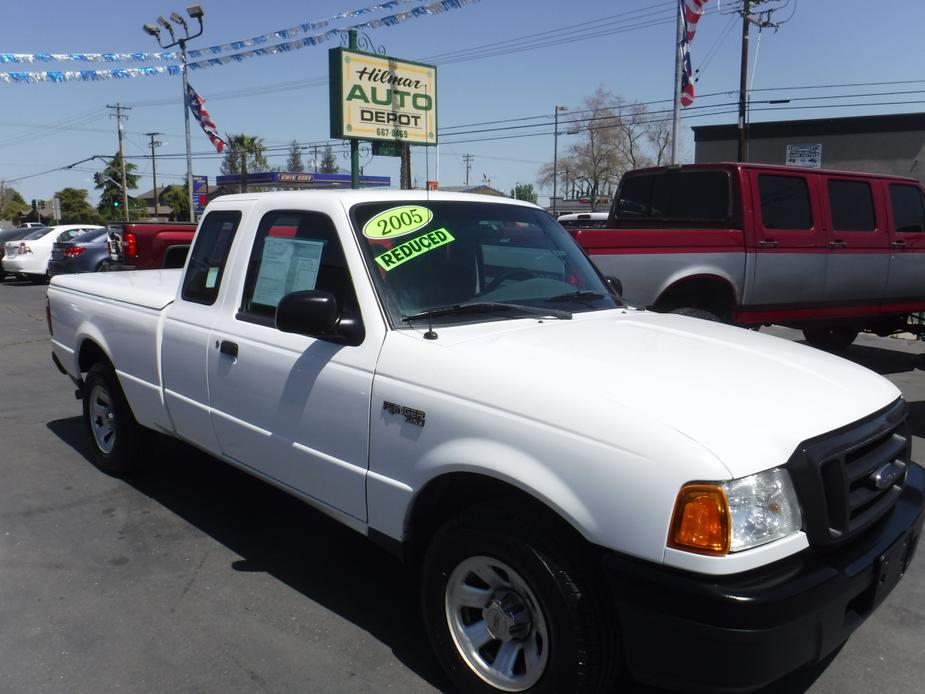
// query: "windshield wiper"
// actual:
[[485, 307], [580, 295]]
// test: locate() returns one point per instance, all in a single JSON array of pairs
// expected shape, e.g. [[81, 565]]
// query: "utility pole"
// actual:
[[743, 73], [555, 156], [119, 108], [747, 21], [154, 143], [468, 158]]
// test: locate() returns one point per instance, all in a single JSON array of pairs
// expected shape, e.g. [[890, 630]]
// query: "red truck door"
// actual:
[[906, 211], [789, 252], [857, 241]]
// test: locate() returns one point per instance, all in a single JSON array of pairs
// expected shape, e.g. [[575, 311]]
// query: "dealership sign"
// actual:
[[375, 97]]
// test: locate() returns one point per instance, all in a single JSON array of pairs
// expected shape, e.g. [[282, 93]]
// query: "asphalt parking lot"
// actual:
[[193, 577]]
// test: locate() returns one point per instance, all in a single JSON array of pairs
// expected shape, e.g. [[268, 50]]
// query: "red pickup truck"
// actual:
[[828, 252], [149, 245]]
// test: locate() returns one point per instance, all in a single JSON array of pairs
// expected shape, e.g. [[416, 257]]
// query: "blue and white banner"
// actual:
[[314, 40], [31, 58]]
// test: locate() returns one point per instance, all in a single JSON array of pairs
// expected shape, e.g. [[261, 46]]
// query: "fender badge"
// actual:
[[412, 416]]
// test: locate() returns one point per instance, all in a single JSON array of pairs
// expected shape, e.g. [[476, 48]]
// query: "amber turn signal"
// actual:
[[701, 520]]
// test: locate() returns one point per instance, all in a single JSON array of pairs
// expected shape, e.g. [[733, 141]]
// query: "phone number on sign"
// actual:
[[391, 132]]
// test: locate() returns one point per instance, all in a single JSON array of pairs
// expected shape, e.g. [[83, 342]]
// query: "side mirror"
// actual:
[[315, 313], [312, 313], [616, 286]]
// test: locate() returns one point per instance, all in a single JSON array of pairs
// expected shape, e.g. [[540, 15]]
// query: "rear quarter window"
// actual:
[[681, 198]]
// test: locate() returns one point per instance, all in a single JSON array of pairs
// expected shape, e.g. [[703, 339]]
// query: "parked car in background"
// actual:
[[84, 253], [149, 245], [7, 235], [29, 256], [584, 220]]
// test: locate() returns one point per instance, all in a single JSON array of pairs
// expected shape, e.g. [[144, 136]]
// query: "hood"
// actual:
[[748, 398]]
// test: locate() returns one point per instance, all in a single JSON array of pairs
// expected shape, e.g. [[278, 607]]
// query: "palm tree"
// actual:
[[244, 151]]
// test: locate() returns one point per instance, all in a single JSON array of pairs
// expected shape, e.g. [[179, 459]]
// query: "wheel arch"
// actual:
[[711, 291], [451, 494], [92, 347]]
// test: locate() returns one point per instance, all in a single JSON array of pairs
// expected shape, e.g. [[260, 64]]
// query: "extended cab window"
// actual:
[[908, 210], [207, 261], [295, 251], [852, 205], [785, 202], [684, 198]]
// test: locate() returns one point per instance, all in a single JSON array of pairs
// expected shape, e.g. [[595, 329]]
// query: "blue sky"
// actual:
[[486, 80]]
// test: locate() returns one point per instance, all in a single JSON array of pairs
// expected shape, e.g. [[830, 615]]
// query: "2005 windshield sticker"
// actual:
[[397, 221], [414, 248]]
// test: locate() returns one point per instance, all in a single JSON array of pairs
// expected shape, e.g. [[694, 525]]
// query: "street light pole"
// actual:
[[555, 156], [194, 11], [189, 150]]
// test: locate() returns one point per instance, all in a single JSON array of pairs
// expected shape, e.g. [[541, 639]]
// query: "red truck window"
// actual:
[[692, 198], [852, 205], [785, 202], [908, 210]]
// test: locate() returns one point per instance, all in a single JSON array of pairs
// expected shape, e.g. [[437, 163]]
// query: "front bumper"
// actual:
[[738, 633]]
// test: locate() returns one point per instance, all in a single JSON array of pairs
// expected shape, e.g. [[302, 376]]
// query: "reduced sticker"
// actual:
[[397, 221], [403, 252]]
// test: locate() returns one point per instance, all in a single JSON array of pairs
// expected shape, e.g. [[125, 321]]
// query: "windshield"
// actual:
[[496, 260]]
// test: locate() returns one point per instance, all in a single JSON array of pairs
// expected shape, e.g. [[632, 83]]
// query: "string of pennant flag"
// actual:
[[213, 55]]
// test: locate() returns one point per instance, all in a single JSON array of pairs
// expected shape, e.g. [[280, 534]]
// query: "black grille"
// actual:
[[849, 478]]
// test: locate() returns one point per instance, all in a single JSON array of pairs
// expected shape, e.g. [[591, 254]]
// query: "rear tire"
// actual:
[[507, 610], [832, 339], [118, 442], [701, 313]]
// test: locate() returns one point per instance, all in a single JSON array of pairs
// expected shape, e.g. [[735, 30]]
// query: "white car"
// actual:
[[29, 256]]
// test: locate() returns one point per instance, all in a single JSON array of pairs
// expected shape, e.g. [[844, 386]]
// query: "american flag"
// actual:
[[691, 11], [197, 106]]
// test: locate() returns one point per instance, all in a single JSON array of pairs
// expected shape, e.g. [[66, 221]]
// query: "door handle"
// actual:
[[767, 243], [228, 347], [837, 244], [898, 244]]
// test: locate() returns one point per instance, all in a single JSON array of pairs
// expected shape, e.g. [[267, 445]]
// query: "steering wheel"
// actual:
[[510, 275]]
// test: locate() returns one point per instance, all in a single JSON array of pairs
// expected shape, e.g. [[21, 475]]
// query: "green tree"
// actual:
[[524, 191], [294, 160], [12, 205], [328, 161], [76, 208], [244, 154], [109, 181], [178, 199]]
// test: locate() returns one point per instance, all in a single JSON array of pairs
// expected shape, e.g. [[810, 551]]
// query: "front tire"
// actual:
[[507, 611], [118, 442]]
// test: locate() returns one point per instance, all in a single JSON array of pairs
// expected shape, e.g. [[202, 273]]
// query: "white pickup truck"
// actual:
[[583, 486]]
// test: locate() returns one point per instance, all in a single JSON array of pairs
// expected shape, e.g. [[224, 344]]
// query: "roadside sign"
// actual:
[[200, 194], [377, 97], [804, 155]]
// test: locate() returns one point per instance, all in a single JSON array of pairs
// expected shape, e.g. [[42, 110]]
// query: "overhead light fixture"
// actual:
[[178, 19], [153, 30], [195, 11], [163, 22]]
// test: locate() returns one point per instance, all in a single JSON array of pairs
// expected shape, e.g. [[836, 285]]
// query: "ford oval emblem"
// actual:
[[886, 475]]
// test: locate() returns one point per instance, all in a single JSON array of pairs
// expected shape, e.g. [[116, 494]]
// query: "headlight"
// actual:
[[722, 517]]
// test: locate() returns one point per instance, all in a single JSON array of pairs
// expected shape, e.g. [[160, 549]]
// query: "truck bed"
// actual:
[[154, 289]]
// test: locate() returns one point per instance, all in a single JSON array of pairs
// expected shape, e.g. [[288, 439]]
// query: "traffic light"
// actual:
[[116, 203], [35, 207]]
